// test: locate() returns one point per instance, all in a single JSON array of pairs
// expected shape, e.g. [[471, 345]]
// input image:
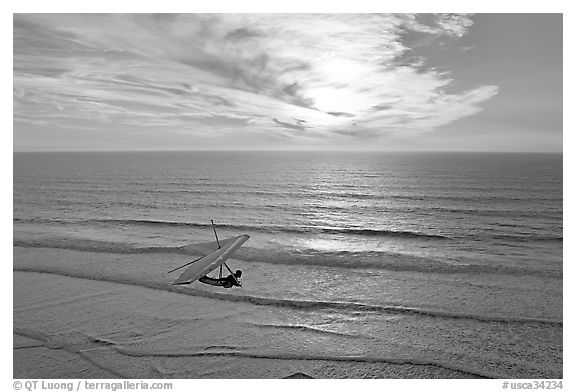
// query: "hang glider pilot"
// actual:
[[227, 282]]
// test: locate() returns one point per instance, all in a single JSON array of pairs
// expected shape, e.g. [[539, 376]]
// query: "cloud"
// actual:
[[452, 25], [328, 76], [298, 124]]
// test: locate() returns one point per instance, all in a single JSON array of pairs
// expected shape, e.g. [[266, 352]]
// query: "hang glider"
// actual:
[[205, 248], [216, 254]]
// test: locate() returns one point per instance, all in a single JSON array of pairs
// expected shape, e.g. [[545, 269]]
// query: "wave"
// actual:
[[81, 345], [304, 328], [85, 245], [309, 230], [528, 238], [389, 261], [314, 357], [358, 191], [252, 228], [289, 303], [378, 260]]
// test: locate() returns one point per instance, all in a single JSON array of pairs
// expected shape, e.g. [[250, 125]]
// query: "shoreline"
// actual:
[[73, 327]]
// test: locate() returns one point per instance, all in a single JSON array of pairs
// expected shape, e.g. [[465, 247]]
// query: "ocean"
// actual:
[[359, 264]]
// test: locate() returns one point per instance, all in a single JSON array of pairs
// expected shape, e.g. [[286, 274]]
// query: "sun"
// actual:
[[336, 90]]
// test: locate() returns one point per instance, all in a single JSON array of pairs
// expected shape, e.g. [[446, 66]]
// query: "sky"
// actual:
[[438, 82]]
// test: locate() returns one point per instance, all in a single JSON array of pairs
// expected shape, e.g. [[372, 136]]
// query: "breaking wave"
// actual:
[[251, 228], [380, 260], [288, 303], [312, 230]]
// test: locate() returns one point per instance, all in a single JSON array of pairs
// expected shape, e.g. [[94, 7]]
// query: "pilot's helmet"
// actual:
[[238, 273]]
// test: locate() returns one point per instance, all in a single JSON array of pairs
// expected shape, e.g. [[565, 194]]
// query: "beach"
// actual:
[[96, 321], [379, 266]]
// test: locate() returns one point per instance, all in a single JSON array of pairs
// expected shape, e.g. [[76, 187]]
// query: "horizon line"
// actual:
[[288, 150]]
